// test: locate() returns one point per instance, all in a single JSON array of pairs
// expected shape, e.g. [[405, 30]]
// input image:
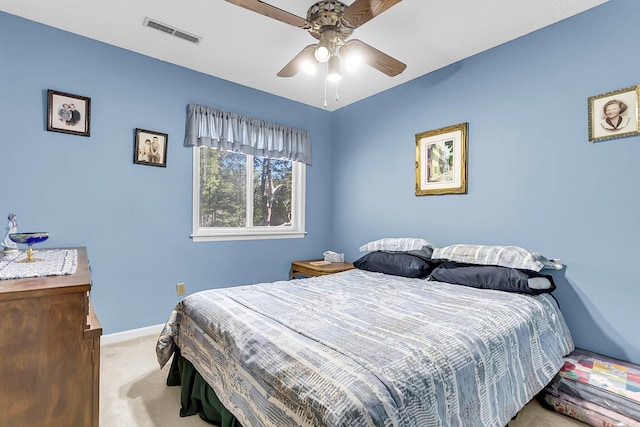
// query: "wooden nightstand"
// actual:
[[306, 269]]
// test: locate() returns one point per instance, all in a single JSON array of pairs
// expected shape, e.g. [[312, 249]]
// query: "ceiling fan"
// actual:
[[332, 23]]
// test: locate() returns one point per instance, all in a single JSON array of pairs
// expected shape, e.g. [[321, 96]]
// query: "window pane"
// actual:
[[239, 197], [272, 189], [223, 188]]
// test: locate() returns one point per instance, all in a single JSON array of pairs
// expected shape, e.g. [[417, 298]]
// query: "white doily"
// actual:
[[50, 262]]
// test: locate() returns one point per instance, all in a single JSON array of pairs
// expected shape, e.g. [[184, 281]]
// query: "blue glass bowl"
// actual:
[[29, 238]]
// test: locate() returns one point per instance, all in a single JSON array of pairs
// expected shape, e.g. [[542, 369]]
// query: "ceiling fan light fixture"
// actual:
[[352, 61], [333, 73], [326, 46], [322, 53], [308, 66]]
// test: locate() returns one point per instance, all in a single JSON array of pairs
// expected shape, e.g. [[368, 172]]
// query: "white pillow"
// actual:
[[396, 244], [505, 256]]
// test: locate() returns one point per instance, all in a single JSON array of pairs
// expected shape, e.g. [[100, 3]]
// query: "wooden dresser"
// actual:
[[49, 351]]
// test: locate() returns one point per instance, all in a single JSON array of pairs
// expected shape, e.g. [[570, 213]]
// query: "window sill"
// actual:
[[247, 236]]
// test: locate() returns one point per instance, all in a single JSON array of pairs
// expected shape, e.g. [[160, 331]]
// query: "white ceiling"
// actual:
[[247, 48]]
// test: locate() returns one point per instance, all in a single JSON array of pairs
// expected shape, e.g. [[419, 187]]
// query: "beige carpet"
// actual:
[[133, 392]]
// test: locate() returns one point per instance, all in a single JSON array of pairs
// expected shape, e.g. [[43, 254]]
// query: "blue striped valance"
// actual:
[[210, 127]]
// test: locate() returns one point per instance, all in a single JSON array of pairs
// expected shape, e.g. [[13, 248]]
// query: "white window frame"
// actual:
[[294, 231]]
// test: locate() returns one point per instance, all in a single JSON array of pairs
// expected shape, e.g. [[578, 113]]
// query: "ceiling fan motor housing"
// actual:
[[327, 15]]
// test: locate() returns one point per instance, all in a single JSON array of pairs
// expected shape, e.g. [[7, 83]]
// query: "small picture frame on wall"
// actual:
[[68, 113], [614, 114], [150, 148], [441, 161]]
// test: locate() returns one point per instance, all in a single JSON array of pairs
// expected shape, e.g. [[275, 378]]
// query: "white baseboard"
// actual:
[[131, 334]]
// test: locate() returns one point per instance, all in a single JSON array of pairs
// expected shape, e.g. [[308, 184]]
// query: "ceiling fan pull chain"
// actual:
[[325, 92], [337, 96]]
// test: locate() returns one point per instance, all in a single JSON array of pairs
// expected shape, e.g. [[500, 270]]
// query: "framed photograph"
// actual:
[[614, 114], [68, 113], [441, 161], [150, 148]]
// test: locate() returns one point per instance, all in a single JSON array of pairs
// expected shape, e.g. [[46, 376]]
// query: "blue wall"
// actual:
[[534, 178], [135, 220]]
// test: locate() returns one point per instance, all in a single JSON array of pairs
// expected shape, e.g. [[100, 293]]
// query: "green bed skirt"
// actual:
[[196, 396]]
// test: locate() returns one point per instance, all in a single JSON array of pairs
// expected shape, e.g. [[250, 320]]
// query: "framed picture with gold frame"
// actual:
[[441, 161], [614, 114]]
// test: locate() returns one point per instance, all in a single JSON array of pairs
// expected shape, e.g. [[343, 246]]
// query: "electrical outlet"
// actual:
[[180, 289]]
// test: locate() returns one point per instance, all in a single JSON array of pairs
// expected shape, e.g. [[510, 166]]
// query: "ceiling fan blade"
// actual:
[[375, 58], [362, 11], [292, 68], [272, 12]]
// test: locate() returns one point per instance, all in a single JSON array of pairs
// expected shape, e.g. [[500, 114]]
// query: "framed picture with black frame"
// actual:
[[150, 148], [68, 113]]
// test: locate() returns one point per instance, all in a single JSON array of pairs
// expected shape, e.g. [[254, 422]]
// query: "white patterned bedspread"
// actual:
[[367, 349]]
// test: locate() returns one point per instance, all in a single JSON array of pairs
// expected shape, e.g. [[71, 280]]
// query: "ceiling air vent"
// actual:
[[152, 23]]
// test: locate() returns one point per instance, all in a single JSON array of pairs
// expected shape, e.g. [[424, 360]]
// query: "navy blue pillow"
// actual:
[[488, 277], [395, 263]]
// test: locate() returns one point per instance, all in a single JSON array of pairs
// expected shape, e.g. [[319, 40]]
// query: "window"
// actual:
[[238, 196]]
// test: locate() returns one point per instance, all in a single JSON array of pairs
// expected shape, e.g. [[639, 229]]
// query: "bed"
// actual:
[[362, 348]]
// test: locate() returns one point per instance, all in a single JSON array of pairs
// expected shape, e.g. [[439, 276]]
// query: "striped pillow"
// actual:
[[393, 244], [504, 256]]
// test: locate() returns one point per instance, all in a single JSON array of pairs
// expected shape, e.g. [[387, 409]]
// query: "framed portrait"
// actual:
[[68, 113], [150, 148], [614, 114], [441, 161]]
